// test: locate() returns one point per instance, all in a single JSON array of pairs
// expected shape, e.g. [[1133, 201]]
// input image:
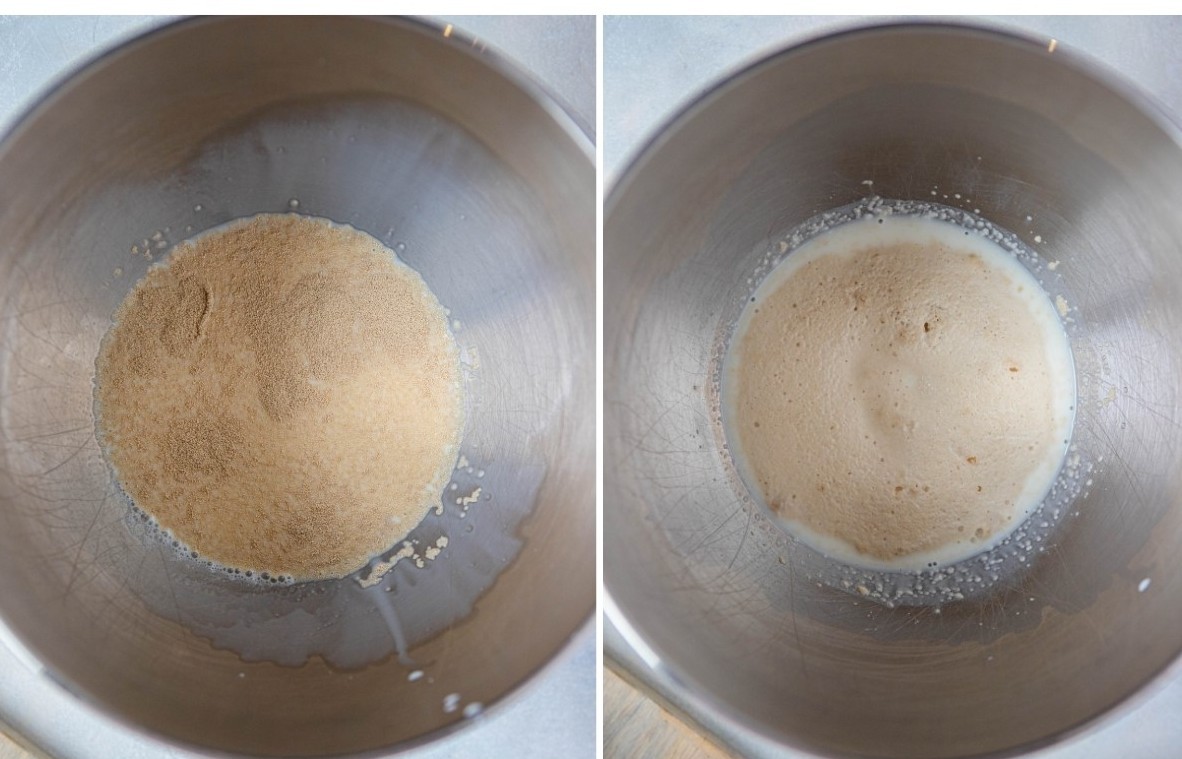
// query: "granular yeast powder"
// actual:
[[282, 395]]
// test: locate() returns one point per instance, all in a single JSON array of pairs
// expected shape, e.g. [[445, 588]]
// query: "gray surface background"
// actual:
[[552, 716], [655, 66]]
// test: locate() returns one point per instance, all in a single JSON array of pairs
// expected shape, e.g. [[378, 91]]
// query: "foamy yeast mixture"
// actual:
[[283, 395], [899, 392]]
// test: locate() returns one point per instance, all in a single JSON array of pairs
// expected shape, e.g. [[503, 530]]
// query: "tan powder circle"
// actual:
[[283, 395]]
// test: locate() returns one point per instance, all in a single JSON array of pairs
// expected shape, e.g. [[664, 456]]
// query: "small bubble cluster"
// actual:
[[148, 528]]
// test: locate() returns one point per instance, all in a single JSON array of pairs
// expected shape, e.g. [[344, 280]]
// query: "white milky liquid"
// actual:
[[884, 437]]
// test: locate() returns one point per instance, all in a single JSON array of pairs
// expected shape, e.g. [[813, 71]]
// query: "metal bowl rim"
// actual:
[[518, 77], [701, 697]]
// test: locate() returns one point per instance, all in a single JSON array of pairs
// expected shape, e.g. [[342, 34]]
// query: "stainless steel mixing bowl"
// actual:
[[476, 179], [699, 577]]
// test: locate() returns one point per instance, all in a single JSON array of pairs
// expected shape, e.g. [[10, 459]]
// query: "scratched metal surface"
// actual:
[[654, 66], [555, 715]]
